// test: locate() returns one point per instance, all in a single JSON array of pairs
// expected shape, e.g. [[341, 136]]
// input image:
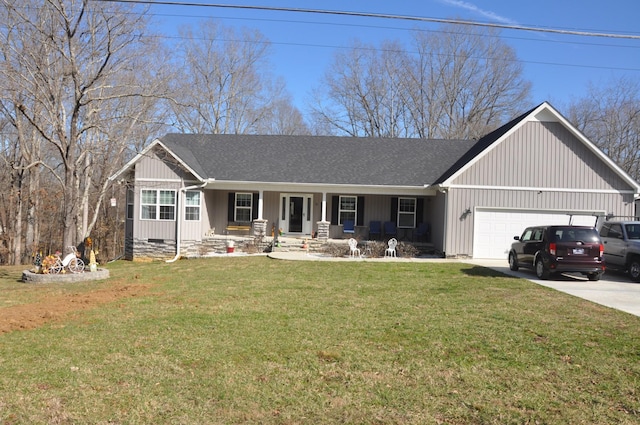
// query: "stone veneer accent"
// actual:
[[259, 228], [153, 249], [323, 229]]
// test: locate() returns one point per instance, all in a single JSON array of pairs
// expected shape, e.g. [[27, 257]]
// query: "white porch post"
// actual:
[[324, 206], [260, 203], [323, 224], [259, 225]]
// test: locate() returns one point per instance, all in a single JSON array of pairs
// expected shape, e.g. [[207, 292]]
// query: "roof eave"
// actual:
[[145, 151]]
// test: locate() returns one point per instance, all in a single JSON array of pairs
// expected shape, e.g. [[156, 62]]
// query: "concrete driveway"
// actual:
[[613, 290]]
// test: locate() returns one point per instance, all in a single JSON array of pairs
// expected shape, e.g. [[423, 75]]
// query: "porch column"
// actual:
[[324, 206], [260, 203], [323, 224]]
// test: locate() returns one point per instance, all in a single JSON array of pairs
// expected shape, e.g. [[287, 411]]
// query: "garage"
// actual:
[[494, 229]]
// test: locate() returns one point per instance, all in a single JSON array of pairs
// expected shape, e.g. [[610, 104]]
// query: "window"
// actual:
[[158, 204], [243, 204], [407, 212], [537, 235], [347, 209], [526, 236], [633, 230], [192, 205]]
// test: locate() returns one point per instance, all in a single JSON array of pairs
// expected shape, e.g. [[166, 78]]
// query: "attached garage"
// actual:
[[494, 228], [537, 169]]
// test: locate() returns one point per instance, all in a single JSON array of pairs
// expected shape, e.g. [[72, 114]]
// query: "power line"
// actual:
[[384, 16]]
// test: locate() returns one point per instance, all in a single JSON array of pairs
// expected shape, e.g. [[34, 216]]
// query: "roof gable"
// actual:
[[541, 113], [157, 144]]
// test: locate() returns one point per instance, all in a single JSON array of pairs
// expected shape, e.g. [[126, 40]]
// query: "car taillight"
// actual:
[[552, 248], [601, 250]]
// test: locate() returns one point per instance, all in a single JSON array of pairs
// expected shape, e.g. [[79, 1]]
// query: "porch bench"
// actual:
[[238, 229]]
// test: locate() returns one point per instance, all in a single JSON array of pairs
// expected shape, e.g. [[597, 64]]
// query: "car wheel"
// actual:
[[541, 271], [634, 270], [513, 262], [594, 276]]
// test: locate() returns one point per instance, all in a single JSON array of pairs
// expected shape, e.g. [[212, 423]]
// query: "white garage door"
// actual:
[[494, 229]]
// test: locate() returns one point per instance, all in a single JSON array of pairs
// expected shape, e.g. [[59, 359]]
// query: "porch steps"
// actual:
[[283, 244]]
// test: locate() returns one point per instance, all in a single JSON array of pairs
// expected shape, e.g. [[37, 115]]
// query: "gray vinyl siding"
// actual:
[[153, 167], [153, 173], [153, 229], [522, 172], [542, 154], [459, 232], [193, 230]]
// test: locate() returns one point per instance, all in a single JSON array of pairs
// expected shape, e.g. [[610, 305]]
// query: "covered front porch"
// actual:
[[406, 215], [215, 245]]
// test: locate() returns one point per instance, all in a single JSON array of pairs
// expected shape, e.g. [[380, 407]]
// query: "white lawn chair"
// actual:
[[353, 248], [391, 250]]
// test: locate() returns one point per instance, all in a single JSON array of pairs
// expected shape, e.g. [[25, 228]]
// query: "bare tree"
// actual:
[[74, 76], [458, 83], [282, 117], [363, 92], [610, 117], [224, 84]]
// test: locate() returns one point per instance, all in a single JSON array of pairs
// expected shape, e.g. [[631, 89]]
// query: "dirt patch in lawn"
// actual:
[[57, 307]]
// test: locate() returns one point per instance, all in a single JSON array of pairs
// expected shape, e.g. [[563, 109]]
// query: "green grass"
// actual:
[[254, 340]]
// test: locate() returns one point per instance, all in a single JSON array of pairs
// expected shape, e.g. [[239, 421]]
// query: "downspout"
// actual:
[[179, 219]]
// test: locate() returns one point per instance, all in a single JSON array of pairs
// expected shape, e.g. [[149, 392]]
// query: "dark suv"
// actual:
[[551, 249]]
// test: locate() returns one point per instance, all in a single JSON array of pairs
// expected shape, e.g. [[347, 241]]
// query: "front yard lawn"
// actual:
[[254, 340]]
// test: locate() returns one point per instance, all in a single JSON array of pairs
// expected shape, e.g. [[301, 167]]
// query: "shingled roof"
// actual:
[[317, 159]]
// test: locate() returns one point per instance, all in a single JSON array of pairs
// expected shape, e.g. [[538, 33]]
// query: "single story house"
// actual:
[[475, 195]]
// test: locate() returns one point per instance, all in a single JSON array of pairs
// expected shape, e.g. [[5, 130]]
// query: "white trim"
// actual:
[[158, 204], [539, 189], [566, 211], [322, 188], [199, 206], [328, 185], [414, 213], [145, 151], [307, 215], [147, 179], [236, 207], [354, 211]]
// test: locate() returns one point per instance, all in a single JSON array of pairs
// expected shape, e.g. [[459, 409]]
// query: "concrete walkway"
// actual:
[[613, 290]]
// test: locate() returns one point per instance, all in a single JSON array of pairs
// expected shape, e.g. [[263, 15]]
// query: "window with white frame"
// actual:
[[192, 205], [347, 209], [242, 211], [407, 212], [157, 204]]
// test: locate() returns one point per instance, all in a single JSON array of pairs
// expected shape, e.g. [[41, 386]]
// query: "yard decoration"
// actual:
[[37, 262], [54, 264], [93, 265]]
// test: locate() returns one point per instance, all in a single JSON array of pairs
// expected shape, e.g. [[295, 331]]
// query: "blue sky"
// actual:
[[559, 66]]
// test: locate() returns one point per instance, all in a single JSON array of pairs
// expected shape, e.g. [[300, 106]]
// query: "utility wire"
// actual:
[[383, 16]]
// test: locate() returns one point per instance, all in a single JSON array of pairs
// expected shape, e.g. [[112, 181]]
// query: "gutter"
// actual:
[[179, 219]]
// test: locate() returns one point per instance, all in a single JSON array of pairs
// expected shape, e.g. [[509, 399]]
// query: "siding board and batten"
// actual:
[[540, 167]]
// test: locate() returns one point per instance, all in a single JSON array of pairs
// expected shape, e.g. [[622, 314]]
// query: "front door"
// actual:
[[295, 213]]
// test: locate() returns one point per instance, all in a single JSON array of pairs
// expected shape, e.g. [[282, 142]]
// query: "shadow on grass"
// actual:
[[485, 272], [12, 273]]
